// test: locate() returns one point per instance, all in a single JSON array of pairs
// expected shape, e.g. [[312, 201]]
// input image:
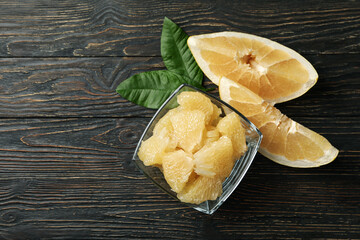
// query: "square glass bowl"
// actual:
[[253, 139]]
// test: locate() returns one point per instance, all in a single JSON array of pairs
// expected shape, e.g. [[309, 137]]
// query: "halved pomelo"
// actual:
[[275, 72]]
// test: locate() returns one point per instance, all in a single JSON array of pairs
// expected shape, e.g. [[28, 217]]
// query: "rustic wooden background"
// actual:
[[66, 137]]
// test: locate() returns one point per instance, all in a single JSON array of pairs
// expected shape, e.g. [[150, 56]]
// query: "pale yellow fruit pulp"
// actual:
[[195, 101], [151, 152], [284, 140], [274, 72], [215, 159], [231, 126], [189, 129], [200, 190], [177, 168], [195, 148]]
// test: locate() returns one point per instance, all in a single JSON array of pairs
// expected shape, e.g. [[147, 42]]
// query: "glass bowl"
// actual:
[[253, 139]]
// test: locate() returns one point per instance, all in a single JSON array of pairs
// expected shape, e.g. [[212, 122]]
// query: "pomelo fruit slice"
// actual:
[[275, 72], [284, 140]]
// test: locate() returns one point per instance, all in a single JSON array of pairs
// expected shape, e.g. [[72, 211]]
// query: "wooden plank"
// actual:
[[69, 147], [71, 178], [69, 87], [103, 147], [108, 209], [127, 28], [85, 87], [66, 137]]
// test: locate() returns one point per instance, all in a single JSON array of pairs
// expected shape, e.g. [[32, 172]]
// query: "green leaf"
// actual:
[[150, 89], [176, 54]]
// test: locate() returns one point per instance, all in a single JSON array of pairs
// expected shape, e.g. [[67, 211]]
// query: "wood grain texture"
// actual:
[[66, 137], [71, 178], [68, 147], [132, 28], [85, 87], [99, 147], [74, 87], [104, 209]]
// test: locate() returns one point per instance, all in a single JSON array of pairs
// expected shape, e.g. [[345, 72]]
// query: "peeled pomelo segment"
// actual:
[[189, 129], [196, 101], [212, 135], [165, 122], [152, 150], [269, 69], [201, 190], [231, 127], [215, 117], [215, 159], [284, 140], [177, 167]]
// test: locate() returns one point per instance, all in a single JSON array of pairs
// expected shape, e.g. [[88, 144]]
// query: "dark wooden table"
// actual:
[[66, 137]]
